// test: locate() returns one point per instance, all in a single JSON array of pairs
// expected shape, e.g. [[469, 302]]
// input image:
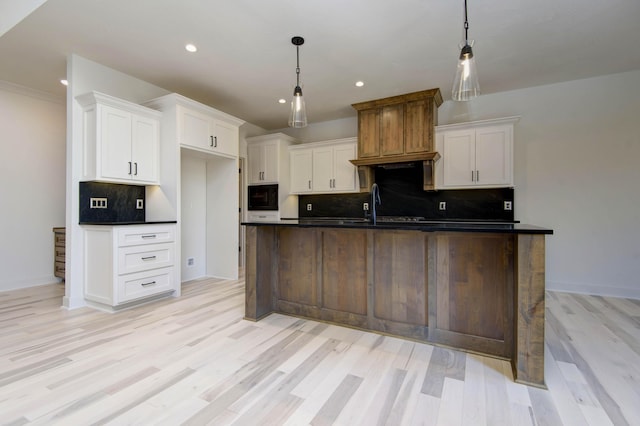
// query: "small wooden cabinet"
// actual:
[[121, 140], [128, 264], [59, 252], [398, 125], [324, 167], [475, 155]]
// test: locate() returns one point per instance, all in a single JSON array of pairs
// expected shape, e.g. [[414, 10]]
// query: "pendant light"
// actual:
[[465, 85], [298, 116]]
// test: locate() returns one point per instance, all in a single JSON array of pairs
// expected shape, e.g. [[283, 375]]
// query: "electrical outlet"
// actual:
[[507, 205], [98, 203], [365, 207], [309, 207], [191, 261], [139, 203], [443, 205]]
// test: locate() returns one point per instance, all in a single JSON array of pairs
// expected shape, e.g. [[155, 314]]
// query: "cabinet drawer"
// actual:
[[59, 253], [145, 235], [58, 269], [144, 284], [145, 257]]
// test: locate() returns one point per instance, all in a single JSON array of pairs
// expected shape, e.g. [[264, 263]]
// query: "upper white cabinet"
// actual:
[[121, 140], [475, 155], [324, 167], [268, 159], [200, 127]]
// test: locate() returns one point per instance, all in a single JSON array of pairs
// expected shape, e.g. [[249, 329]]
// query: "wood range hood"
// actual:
[[397, 131]]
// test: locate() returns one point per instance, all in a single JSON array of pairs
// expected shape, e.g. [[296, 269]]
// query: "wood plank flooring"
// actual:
[[193, 360]]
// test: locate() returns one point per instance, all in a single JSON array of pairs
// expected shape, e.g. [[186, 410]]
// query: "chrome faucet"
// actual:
[[375, 199]]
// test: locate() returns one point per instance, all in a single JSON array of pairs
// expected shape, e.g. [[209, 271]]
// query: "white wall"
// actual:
[[193, 215], [32, 188], [577, 171]]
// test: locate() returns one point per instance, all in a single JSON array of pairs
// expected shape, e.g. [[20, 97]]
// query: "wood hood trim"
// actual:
[[405, 158]]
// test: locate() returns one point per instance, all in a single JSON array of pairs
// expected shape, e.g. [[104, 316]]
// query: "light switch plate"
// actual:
[[97, 203], [508, 205], [309, 207], [443, 205], [139, 203]]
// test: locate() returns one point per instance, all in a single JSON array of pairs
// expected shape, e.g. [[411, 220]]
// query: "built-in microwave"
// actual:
[[263, 197]]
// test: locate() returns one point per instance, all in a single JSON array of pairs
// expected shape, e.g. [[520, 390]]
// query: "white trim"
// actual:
[[594, 289], [34, 93]]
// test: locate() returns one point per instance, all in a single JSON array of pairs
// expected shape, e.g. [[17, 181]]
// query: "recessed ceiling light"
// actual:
[[191, 48], [64, 82], [359, 83], [282, 101]]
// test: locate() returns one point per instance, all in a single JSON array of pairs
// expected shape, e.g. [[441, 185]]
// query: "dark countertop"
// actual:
[[424, 226], [129, 223]]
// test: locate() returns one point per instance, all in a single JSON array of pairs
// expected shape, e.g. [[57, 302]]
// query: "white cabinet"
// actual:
[[301, 170], [324, 167], [200, 130], [272, 216], [263, 162], [121, 140], [129, 264], [199, 127], [475, 155]]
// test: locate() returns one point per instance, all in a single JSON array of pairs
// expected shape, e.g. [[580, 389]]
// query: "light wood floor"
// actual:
[[194, 360]]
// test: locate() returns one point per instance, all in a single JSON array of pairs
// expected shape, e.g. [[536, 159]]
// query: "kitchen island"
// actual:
[[474, 286]]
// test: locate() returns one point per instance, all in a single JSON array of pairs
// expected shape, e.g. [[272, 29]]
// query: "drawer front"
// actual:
[[58, 269], [59, 238], [59, 254], [144, 284], [145, 257], [136, 235]]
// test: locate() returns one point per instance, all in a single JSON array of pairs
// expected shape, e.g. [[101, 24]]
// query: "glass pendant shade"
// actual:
[[465, 84], [298, 116]]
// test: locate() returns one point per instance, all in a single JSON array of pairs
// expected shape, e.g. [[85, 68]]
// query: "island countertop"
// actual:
[[421, 225]]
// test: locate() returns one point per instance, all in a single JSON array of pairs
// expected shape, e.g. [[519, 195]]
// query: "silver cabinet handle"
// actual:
[[149, 236], [477, 175], [129, 167], [148, 258], [135, 168], [309, 184], [211, 144], [146, 284], [473, 176]]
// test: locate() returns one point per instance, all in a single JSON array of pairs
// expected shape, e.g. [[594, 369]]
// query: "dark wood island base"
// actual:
[[479, 289]]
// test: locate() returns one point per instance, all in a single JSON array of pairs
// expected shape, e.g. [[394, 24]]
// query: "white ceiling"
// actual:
[[246, 61]]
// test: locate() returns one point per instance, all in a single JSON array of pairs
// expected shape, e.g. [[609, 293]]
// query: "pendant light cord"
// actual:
[[298, 65], [466, 24]]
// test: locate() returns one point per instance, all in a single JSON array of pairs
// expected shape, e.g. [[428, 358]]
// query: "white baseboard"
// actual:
[[26, 283], [73, 303], [594, 289]]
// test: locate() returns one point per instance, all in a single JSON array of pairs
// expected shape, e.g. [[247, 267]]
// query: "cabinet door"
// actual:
[[459, 158], [493, 156], [322, 169], [255, 163], [195, 129], [368, 133], [344, 173], [271, 163], [225, 138], [144, 149], [301, 171], [115, 144], [392, 131], [418, 136]]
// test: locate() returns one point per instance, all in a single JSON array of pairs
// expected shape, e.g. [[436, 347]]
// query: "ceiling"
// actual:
[[246, 61]]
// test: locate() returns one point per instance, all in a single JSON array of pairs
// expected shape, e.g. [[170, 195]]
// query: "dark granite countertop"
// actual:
[[129, 223], [423, 225]]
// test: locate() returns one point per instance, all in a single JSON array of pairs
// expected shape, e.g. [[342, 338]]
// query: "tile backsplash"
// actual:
[[121, 203]]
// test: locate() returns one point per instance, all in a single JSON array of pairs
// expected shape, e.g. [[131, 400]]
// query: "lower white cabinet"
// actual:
[[128, 264]]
